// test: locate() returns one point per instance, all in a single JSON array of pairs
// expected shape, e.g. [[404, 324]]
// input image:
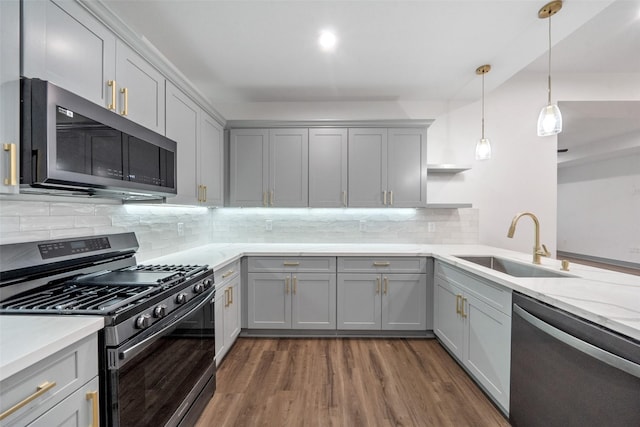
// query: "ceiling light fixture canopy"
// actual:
[[483, 147], [550, 118]]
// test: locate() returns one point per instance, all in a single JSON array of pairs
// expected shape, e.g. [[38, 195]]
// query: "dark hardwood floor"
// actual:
[[345, 382]]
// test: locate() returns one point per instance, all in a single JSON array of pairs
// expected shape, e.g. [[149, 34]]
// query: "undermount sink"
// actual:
[[512, 268]]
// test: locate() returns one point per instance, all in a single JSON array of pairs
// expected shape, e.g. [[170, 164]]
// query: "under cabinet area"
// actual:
[[472, 319], [292, 293], [62, 389], [382, 294], [227, 308]]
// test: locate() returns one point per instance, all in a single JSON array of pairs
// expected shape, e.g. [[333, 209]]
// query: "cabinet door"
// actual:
[[367, 167], [289, 167], [407, 163], [328, 168], [313, 301], [448, 325], [269, 300], [487, 348], [249, 166], [66, 45], [182, 127], [77, 410], [359, 301], [404, 302], [144, 100], [232, 314], [10, 95], [211, 161], [220, 315]]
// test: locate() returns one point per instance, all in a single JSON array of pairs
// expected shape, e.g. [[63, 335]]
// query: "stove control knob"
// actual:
[[143, 321], [207, 283], [198, 288], [160, 311], [181, 298]]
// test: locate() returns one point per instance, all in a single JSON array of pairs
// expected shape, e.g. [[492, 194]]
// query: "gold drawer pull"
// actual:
[[386, 285], [13, 164], [95, 408], [458, 299], [40, 390], [344, 198], [377, 285], [384, 200], [227, 274], [381, 263], [291, 263], [264, 199], [226, 297], [230, 296], [112, 85], [125, 92], [390, 198], [462, 312]]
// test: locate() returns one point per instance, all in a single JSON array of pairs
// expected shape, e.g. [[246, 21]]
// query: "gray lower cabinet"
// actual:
[[328, 168], [10, 96], [472, 319], [227, 308], [283, 300], [269, 167], [370, 301], [65, 385]]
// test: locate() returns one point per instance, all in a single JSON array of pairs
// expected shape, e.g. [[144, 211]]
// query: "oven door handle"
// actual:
[[132, 351], [604, 356]]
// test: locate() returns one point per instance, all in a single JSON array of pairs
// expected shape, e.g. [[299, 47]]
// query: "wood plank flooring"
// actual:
[[345, 382]]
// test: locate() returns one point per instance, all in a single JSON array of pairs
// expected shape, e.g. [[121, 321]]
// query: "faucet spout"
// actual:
[[538, 249]]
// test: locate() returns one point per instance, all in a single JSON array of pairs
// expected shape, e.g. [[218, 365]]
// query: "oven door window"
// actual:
[[158, 381]]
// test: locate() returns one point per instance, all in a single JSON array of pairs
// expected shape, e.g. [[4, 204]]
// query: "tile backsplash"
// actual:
[[157, 226]]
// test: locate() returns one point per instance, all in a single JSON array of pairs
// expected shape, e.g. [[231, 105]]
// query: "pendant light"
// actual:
[[483, 147], [550, 118]]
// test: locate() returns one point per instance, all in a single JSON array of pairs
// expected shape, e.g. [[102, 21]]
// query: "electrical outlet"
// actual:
[[268, 225], [180, 229], [431, 227], [363, 225], [634, 250]]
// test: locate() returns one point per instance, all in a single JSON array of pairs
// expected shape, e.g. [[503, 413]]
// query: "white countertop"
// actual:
[[607, 298], [26, 340]]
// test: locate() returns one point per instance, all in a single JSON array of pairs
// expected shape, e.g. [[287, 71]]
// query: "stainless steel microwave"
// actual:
[[71, 146]]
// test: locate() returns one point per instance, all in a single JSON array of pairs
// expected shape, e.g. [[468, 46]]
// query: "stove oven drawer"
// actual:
[[44, 384]]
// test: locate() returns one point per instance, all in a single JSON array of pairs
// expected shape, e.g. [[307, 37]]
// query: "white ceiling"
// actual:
[[423, 50]]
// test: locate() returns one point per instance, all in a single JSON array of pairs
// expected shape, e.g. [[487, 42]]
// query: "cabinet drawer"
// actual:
[[292, 264], [226, 272], [77, 409], [382, 265], [69, 369], [491, 293]]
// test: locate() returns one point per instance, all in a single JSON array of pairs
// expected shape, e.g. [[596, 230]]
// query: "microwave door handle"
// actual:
[[603, 356], [134, 350]]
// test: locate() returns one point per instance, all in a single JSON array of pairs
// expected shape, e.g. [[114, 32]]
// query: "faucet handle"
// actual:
[[544, 251]]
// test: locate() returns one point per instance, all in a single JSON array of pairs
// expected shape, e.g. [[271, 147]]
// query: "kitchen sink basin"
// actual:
[[512, 268]]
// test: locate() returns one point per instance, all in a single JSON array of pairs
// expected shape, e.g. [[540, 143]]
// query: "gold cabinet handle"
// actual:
[[390, 198], [462, 312], [286, 285], [264, 199], [344, 199], [377, 285], [125, 91], [271, 198], [112, 85], [13, 164], [386, 285], [230, 296], [199, 193], [40, 390], [226, 297], [384, 199], [295, 285], [205, 193], [458, 299], [228, 273], [381, 263], [291, 263], [95, 408]]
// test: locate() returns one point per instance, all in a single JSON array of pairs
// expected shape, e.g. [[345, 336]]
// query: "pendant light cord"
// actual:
[[483, 105], [549, 67]]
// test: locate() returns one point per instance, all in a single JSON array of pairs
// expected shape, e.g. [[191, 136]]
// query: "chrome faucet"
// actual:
[[538, 250]]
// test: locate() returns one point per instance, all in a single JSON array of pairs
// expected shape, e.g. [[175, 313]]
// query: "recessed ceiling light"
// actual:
[[327, 40]]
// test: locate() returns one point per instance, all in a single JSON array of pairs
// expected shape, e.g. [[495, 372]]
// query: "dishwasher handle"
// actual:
[[604, 356]]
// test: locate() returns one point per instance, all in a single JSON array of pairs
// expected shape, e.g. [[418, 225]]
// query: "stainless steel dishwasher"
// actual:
[[566, 371]]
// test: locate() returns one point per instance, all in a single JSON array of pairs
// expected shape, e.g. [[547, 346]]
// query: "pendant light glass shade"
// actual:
[[483, 146], [550, 118]]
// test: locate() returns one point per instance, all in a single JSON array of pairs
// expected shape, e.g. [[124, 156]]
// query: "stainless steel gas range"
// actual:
[[157, 349]]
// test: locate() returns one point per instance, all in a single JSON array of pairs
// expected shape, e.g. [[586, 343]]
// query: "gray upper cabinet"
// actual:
[[140, 89], [269, 167], [407, 168], [66, 45], [249, 165], [210, 162], [367, 167], [328, 168], [9, 95]]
